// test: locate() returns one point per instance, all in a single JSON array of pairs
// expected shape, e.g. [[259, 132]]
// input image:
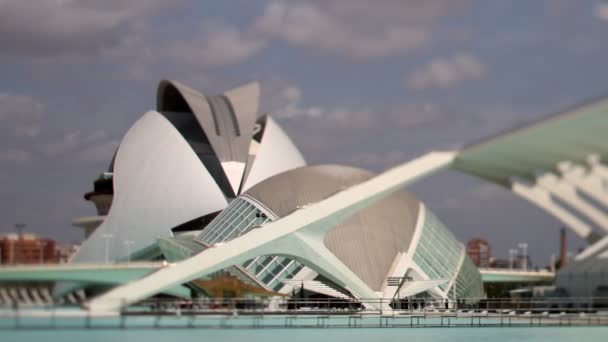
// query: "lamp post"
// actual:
[[128, 244], [107, 237], [512, 253], [524, 250]]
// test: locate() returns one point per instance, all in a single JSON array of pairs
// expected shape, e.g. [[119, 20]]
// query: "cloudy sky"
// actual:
[[366, 83]]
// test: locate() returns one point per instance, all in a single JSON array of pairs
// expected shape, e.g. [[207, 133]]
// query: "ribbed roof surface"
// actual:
[[369, 241]]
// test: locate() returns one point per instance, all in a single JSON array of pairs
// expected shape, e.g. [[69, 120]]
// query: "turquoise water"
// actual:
[[315, 335]]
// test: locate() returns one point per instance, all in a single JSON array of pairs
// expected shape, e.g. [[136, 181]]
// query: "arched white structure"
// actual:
[[541, 197], [299, 235], [587, 181], [159, 183], [274, 154], [568, 194], [597, 167], [570, 136]]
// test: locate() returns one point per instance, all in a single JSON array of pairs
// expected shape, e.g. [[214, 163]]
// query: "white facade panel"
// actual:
[[159, 183]]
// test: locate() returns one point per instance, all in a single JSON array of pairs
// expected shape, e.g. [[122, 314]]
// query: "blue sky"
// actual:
[[364, 83]]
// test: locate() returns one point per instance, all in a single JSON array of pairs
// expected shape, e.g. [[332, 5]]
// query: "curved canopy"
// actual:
[[572, 136]]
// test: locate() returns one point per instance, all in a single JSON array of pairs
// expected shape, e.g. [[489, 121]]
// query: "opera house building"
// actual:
[[201, 171]]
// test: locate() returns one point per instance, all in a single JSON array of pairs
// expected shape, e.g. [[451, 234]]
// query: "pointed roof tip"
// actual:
[[165, 84], [251, 87]]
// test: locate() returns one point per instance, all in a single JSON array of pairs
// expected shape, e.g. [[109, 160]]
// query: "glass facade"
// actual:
[[238, 218], [468, 282], [438, 252]]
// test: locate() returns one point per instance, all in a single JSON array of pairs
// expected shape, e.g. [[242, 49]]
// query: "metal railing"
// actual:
[[321, 313], [377, 306]]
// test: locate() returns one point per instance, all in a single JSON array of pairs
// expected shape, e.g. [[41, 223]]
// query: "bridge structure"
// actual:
[[110, 274], [99, 274], [502, 275]]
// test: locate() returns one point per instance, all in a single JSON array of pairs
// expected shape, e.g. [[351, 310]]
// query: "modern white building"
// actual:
[[204, 185], [333, 229], [388, 245], [184, 161]]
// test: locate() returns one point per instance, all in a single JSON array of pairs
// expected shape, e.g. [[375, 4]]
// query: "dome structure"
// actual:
[[184, 161], [394, 238]]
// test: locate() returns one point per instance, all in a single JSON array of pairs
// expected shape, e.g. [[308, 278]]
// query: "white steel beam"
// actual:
[[298, 236], [542, 199], [587, 181], [567, 193], [596, 166]]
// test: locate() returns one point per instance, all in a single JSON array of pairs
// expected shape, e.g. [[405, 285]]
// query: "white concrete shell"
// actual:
[[227, 121], [299, 236], [159, 183], [276, 153]]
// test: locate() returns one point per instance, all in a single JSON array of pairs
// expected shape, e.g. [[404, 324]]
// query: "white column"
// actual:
[[597, 166], [587, 181], [567, 193], [542, 199]]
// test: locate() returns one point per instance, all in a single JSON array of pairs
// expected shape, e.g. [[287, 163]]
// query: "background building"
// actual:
[[479, 252], [26, 249]]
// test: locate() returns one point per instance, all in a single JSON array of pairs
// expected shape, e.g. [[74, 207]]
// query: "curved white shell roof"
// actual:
[[159, 183], [227, 121], [275, 154]]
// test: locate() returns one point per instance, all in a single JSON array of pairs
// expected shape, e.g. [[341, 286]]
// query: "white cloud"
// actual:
[[15, 156], [23, 113], [97, 135], [66, 144], [99, 153], [309, 25], [447, 72], [356, 29], [19, 107], [72, 141], [29, 131], [287, 103], [217, 44], [601, 11], [415, 114], [48, 28]]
